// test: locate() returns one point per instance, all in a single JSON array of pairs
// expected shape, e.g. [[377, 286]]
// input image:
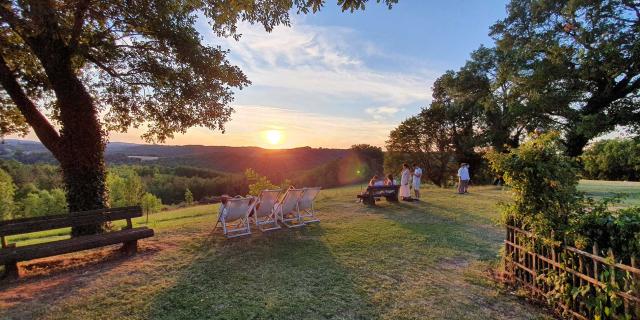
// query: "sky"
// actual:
[[335, 79]]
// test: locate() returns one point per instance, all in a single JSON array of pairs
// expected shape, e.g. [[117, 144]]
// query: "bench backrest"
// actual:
[[75, 219], [382, 188]]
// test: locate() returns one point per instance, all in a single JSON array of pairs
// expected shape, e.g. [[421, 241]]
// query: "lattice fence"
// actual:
[[590, 284]]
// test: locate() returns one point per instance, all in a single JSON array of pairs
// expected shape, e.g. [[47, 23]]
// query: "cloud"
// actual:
[[380, 113], [323, 62]]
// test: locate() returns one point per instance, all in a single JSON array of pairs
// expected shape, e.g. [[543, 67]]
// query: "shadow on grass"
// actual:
[[287, 274], [455, 230]]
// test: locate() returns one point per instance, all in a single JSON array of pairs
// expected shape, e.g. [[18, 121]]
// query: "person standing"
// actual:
[[405, 179], [463, 178], [417, 175]]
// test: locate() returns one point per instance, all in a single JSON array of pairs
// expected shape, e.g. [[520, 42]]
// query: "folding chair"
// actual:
[[305, 205], [287, 209], [235, 217], [264, 215]]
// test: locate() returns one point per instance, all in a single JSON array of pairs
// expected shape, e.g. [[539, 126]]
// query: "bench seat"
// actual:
[[388, 192], [42, 250], [10, 254]]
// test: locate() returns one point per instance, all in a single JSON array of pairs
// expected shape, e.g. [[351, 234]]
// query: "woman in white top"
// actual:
[[405, 180], [417, 175]]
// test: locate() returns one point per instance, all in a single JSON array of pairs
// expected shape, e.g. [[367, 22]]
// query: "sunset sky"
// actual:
[[335, 79]]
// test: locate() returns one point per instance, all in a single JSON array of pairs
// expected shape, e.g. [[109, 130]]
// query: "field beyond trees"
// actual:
[[431, 259]]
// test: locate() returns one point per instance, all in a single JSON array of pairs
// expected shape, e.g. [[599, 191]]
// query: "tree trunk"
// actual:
[[575, 143], [82, 144]]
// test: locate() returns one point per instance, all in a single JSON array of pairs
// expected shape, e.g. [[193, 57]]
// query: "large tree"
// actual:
[[73, 70], [578, 62]]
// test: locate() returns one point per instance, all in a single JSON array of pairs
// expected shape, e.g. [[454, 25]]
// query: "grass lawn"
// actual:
[[427, 260], [599, 189]]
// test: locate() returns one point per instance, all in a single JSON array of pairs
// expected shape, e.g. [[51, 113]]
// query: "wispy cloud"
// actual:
[[380, 113], [323, 61]]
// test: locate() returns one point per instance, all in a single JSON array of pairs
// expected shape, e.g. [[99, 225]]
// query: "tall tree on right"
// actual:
[[577, 62]]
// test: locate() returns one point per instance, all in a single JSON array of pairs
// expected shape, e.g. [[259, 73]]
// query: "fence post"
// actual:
[[596, 274], [636, 285]]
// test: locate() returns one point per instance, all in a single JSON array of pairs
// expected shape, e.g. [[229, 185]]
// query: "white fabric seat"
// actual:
[[287, 209], [264, 214], [305, 204], [234, 216]]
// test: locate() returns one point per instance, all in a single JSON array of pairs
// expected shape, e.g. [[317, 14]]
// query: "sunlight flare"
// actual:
[[274, 136]]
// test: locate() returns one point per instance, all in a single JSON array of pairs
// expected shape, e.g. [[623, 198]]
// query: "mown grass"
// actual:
[[600, 189], [426, 260]]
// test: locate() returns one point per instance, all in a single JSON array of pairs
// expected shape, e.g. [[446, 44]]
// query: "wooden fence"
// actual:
[[589, 283]]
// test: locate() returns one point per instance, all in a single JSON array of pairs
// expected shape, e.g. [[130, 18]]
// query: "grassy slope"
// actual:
[[396, 261]]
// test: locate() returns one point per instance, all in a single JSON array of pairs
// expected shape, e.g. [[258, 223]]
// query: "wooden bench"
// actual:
[[373, 192], [10, 254]]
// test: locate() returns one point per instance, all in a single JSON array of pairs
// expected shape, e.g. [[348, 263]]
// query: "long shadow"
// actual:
[[286, 274], [55, 278], [448, 227]]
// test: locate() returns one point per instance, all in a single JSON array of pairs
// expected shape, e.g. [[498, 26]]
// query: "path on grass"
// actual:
[[426, 260]]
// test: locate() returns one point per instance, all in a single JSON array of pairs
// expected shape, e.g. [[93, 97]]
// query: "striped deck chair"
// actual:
[[305, 205], [235, 217], [264, 215], [287, 209]]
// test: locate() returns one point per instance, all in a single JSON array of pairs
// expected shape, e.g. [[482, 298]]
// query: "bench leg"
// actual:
[[130, 247], [11, 271], [369, 201]]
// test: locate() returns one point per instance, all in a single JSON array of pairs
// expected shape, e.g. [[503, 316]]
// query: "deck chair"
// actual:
[[264, 215], [287, 209], [235, 217], [305, 205]]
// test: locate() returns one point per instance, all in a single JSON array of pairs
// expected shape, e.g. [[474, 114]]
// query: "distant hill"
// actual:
[[274, 163]]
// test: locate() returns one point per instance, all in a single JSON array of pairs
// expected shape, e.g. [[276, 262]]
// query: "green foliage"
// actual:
[[7, 190], [257, 183], [125, 188], [43, 202], [615, 159], [426, 139], [543, 182], [569, 60], [150, 204], [188, 197], [617, 230], [373, 159]]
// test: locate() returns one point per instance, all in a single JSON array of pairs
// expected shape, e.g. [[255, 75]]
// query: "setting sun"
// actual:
[[274, 136]]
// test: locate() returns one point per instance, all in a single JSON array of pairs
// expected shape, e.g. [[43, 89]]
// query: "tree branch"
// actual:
[[17, 24], [78, 22], [47, 134]]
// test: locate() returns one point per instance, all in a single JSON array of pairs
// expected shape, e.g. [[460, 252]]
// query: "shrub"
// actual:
[[257, 183], [543, 181], [617, 230]]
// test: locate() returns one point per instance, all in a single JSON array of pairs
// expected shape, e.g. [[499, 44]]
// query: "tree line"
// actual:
[[28, 190]]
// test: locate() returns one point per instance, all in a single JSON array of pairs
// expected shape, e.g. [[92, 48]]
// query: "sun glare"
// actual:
[[274, 136]]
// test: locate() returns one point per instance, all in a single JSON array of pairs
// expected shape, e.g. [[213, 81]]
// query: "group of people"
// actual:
[[411, 176]]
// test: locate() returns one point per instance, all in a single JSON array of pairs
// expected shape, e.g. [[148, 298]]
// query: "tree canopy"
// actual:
[[575, 62]]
